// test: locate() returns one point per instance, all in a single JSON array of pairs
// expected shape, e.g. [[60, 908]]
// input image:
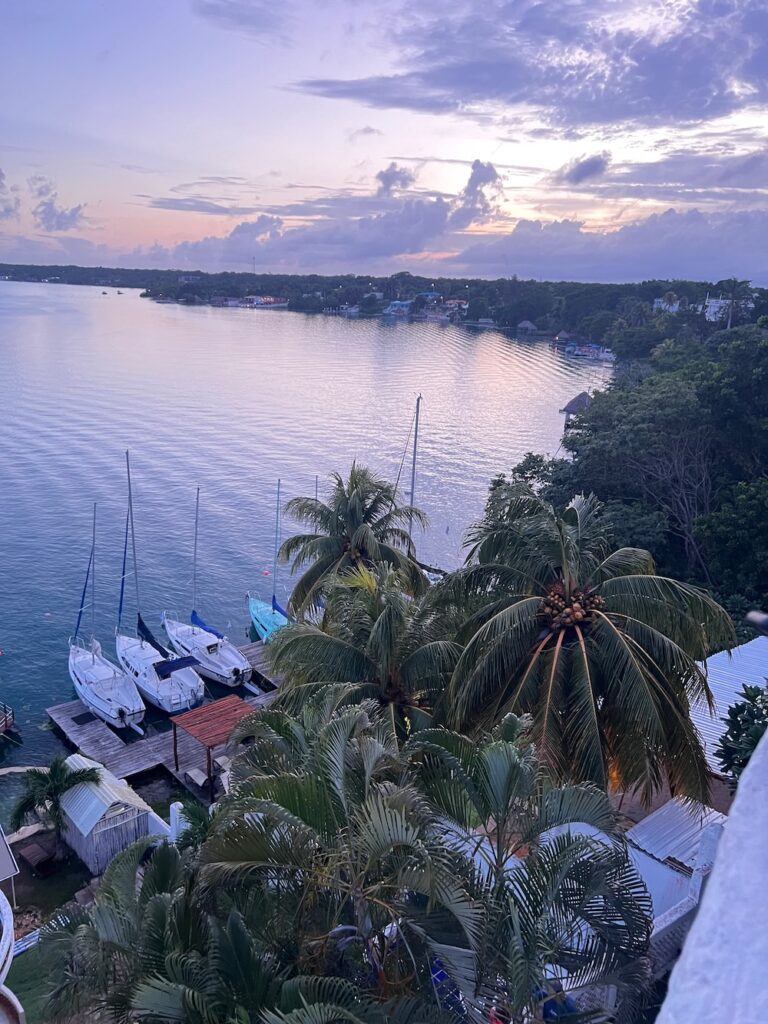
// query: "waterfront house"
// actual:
[[398, 307], [102, 818], [576, 405], [526, 327]]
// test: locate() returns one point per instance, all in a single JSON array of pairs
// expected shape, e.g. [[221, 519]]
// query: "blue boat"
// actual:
[[268, 617]]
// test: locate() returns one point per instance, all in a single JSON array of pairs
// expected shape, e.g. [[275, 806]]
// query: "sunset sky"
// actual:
[[603, 140]]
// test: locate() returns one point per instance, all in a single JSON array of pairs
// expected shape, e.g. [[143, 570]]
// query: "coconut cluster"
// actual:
[[563, 612]]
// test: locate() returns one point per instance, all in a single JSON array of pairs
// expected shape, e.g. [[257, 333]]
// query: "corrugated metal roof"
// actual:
[[674, 831], [727, 674], [86, 804]]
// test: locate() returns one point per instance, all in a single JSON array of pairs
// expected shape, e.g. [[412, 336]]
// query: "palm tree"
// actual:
[[556, 873], [349, 811], [736, 292], [361, 523], [374, 639], [351, 857], [43, 792], [600, 650]]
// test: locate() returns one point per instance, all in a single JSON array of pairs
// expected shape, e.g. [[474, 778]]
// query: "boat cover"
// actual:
[[144, 633], [164, 668], [276, 608], [195, 619]]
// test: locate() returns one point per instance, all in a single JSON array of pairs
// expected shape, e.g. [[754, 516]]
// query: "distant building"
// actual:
[[189, 278], [660, 306], [577, 405], [378, 296], [717, 309], [526, 327]]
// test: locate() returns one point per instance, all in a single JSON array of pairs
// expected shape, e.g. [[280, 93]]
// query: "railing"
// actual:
[[6, 937], [7, 717]]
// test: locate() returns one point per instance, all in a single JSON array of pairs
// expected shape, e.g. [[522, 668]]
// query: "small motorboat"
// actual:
[[217, 658], [104, 689]]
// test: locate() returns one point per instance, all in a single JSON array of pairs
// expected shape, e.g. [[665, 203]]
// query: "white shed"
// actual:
[[102, 818]]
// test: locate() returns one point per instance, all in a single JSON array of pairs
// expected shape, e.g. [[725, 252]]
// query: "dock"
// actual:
[[258, 659], [95, 740]]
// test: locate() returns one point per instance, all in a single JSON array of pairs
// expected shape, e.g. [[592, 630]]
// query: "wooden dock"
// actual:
[[259, 662], [94, 739]]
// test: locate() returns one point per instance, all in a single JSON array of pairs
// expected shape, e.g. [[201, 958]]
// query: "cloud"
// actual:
[[691, 244], [47, 214], [572, 63], [194, 204], [360, 133], [473, 204], [249, 17], [582, 169], [394, 177], [9, 202]]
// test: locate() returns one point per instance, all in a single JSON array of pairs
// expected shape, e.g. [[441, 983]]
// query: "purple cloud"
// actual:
[[584, 168], [394, 177], [250, 17], [9, 202], [473, 205], [669, 245], [199, 204], [47, 214], [573, 62], [361, 133]]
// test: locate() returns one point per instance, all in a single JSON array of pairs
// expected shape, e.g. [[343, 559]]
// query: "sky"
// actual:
[[594, 140]]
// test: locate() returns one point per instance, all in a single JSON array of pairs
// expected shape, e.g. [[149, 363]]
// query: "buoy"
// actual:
[[265, 572]]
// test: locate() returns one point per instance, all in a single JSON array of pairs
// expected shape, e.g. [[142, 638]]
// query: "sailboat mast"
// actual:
[[194, 551], [133, 529], [277, 542], [413, 463], [93, 576]]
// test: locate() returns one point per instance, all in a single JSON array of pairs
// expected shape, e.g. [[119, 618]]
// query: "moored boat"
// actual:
[[217, 658], [267, 617], [104, 689]]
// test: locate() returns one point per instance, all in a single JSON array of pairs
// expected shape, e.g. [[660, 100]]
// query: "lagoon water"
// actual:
[[228, 400]]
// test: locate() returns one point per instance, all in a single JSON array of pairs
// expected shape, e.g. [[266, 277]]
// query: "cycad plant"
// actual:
[[374, 641], [598, 649], [360, 523]]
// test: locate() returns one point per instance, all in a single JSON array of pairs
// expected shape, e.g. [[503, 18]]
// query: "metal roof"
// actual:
[[87, 803], [674, 831], [727, 674]]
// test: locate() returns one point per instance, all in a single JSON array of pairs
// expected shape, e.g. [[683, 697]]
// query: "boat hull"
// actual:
[[180, 691], [218, 658], [266, 620], [106, 691]]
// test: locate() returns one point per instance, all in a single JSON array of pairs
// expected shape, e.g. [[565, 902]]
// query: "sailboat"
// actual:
[[217, 657], [269, 617], [107, 691], [171, 684]]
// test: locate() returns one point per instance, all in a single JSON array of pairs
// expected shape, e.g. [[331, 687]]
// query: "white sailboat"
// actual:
[[217, 657], [104, 689], [171, 684]]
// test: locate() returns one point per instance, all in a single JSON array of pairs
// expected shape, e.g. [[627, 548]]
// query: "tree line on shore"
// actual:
[[621, 314], [420, 827]]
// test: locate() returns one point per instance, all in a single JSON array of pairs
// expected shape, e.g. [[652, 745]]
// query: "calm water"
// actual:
[[229, 400]]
